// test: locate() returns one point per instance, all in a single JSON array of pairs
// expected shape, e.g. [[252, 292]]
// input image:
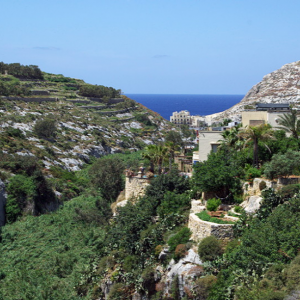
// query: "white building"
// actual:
[[182, 117]]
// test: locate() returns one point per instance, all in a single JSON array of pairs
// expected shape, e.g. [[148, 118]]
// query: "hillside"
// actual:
[[280, 86], [64, 121]]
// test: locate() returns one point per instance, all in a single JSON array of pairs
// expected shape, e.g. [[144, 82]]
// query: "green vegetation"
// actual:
[[12, 87], [203, 215], [219, 174], [283, 165], [209, 248], [61, 241], [52, 253], [182, 237], [98, 91], [45, 128], [21, 71], [213, 204]]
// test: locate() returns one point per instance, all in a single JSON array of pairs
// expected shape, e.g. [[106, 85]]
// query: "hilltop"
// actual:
[[280, 86], [80, 120]]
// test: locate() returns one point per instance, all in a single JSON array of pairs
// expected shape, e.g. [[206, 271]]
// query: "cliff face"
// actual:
[[280, 86]]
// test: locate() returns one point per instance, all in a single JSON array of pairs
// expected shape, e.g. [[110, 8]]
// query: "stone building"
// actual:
[[182, 117], [264, 113]]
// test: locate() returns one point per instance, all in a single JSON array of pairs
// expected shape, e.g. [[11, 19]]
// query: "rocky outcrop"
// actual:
[[185, 271], [280, 86], [252, 204], [2, 203]]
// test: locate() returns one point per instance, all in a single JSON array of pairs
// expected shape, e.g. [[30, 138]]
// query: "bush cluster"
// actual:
[[213, 204], [210, 248]]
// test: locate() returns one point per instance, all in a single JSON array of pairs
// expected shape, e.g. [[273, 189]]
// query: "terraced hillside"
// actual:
[[64, 121]]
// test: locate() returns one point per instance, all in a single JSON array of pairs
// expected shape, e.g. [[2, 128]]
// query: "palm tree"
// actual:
[[171, 148], [256, 133], [231, 137], [149, 153], [156, 154], [290, 123], [161, 155]]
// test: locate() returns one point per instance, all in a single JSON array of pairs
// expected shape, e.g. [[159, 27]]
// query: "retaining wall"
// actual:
[[39, 100], [135, 187], [111, 101], [202, 229]]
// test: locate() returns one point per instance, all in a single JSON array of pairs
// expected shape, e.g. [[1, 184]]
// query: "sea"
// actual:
[[166, 104]]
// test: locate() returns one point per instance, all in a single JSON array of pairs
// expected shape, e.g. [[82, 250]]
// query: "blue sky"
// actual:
[[154, 46]]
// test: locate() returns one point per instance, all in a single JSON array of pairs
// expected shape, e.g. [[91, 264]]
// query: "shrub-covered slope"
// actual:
[[64, 121]]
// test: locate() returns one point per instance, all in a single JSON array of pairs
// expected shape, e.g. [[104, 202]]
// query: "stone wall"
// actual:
[[202, 229], [40, 92], [135, 187], [79, 101], [99, 107], [39, 100], [111, 113], [111, 100]]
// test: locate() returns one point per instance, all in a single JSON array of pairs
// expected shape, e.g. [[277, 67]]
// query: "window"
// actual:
[[214, 147]]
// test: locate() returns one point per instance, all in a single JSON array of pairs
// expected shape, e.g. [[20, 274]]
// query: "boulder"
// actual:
[[252, 204]]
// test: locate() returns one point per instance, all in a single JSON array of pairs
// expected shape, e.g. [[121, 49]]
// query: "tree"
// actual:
[[290, 123], [174, 137], [106, 174], [219, 174], [156, 154], [255, 134], [171, 148], [231, 137], [283, 165], [149, 153], [45, 128]]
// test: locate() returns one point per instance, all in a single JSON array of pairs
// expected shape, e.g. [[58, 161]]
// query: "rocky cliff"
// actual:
[[280, 86]]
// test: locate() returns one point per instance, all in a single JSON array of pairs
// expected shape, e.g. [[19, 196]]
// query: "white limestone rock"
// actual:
[[252, 204], [280, 86], [186, 268]]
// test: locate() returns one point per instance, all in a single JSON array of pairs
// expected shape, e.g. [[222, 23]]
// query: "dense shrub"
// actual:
[[45, 128], [130, 263], [14, 132], [213, 204], [106, 174], [173, 203], [118, 292], [209, 248], [182, 237], [21, 192], [203, 286], [252, 173], [289, 191], [180, 251], [21, 71], [283, 165], [160, 185], [98, 91]]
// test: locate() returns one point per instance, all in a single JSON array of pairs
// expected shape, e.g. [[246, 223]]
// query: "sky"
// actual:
[[154, 46]]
